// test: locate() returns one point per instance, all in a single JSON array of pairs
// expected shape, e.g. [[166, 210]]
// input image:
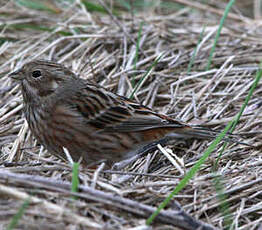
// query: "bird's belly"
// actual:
[[96, 146], [88, 144], [83, 141]]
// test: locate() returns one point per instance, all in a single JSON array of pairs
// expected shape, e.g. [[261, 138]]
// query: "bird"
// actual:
[[64, 110]]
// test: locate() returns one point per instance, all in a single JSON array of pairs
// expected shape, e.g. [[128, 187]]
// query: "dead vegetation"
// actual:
[[102, 48]]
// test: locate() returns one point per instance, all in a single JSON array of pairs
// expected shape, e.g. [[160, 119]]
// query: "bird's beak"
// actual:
[[16, 75]]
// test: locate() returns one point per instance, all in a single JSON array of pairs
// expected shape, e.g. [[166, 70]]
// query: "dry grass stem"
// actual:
[[101, 47]]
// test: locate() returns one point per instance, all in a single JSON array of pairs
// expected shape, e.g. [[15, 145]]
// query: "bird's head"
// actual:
[[41, 79]]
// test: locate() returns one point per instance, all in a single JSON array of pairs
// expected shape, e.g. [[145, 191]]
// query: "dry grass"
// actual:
[[102, 48]]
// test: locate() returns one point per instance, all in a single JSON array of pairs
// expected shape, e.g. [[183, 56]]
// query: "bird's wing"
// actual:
[[109, 112]]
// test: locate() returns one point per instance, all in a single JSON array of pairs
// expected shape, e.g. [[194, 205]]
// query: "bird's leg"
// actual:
[[139, 153]]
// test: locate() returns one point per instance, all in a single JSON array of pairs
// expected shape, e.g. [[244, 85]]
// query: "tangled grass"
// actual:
[[116, 48]]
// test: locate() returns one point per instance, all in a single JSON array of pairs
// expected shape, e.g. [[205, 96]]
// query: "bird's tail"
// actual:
[[199, 132]]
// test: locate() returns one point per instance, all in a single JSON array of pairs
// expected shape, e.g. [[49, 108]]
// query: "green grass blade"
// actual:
[[191, 173], [37, 27], [224, 205], [92, 7], [75, 180], [137, 51], [144, 76], [29, 26], [137, 5], [192, 60], [38, 5], [138, 43], [18, 215], [125, 4], [228, 7], [251, 91]]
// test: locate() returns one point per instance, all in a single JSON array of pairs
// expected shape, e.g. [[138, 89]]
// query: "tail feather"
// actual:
[[197, 132]]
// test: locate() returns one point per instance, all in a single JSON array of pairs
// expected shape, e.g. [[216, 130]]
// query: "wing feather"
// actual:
[[113, 113]]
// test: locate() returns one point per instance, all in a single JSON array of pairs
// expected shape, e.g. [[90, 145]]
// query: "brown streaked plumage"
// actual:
[[63, 110]]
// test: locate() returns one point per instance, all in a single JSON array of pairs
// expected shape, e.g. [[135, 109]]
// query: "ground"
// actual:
[[115, 47]]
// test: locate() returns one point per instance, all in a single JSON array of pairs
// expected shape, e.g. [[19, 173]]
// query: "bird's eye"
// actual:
[[36, 74]]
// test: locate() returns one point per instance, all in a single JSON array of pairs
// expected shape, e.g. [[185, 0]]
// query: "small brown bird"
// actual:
[[63, 110]]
